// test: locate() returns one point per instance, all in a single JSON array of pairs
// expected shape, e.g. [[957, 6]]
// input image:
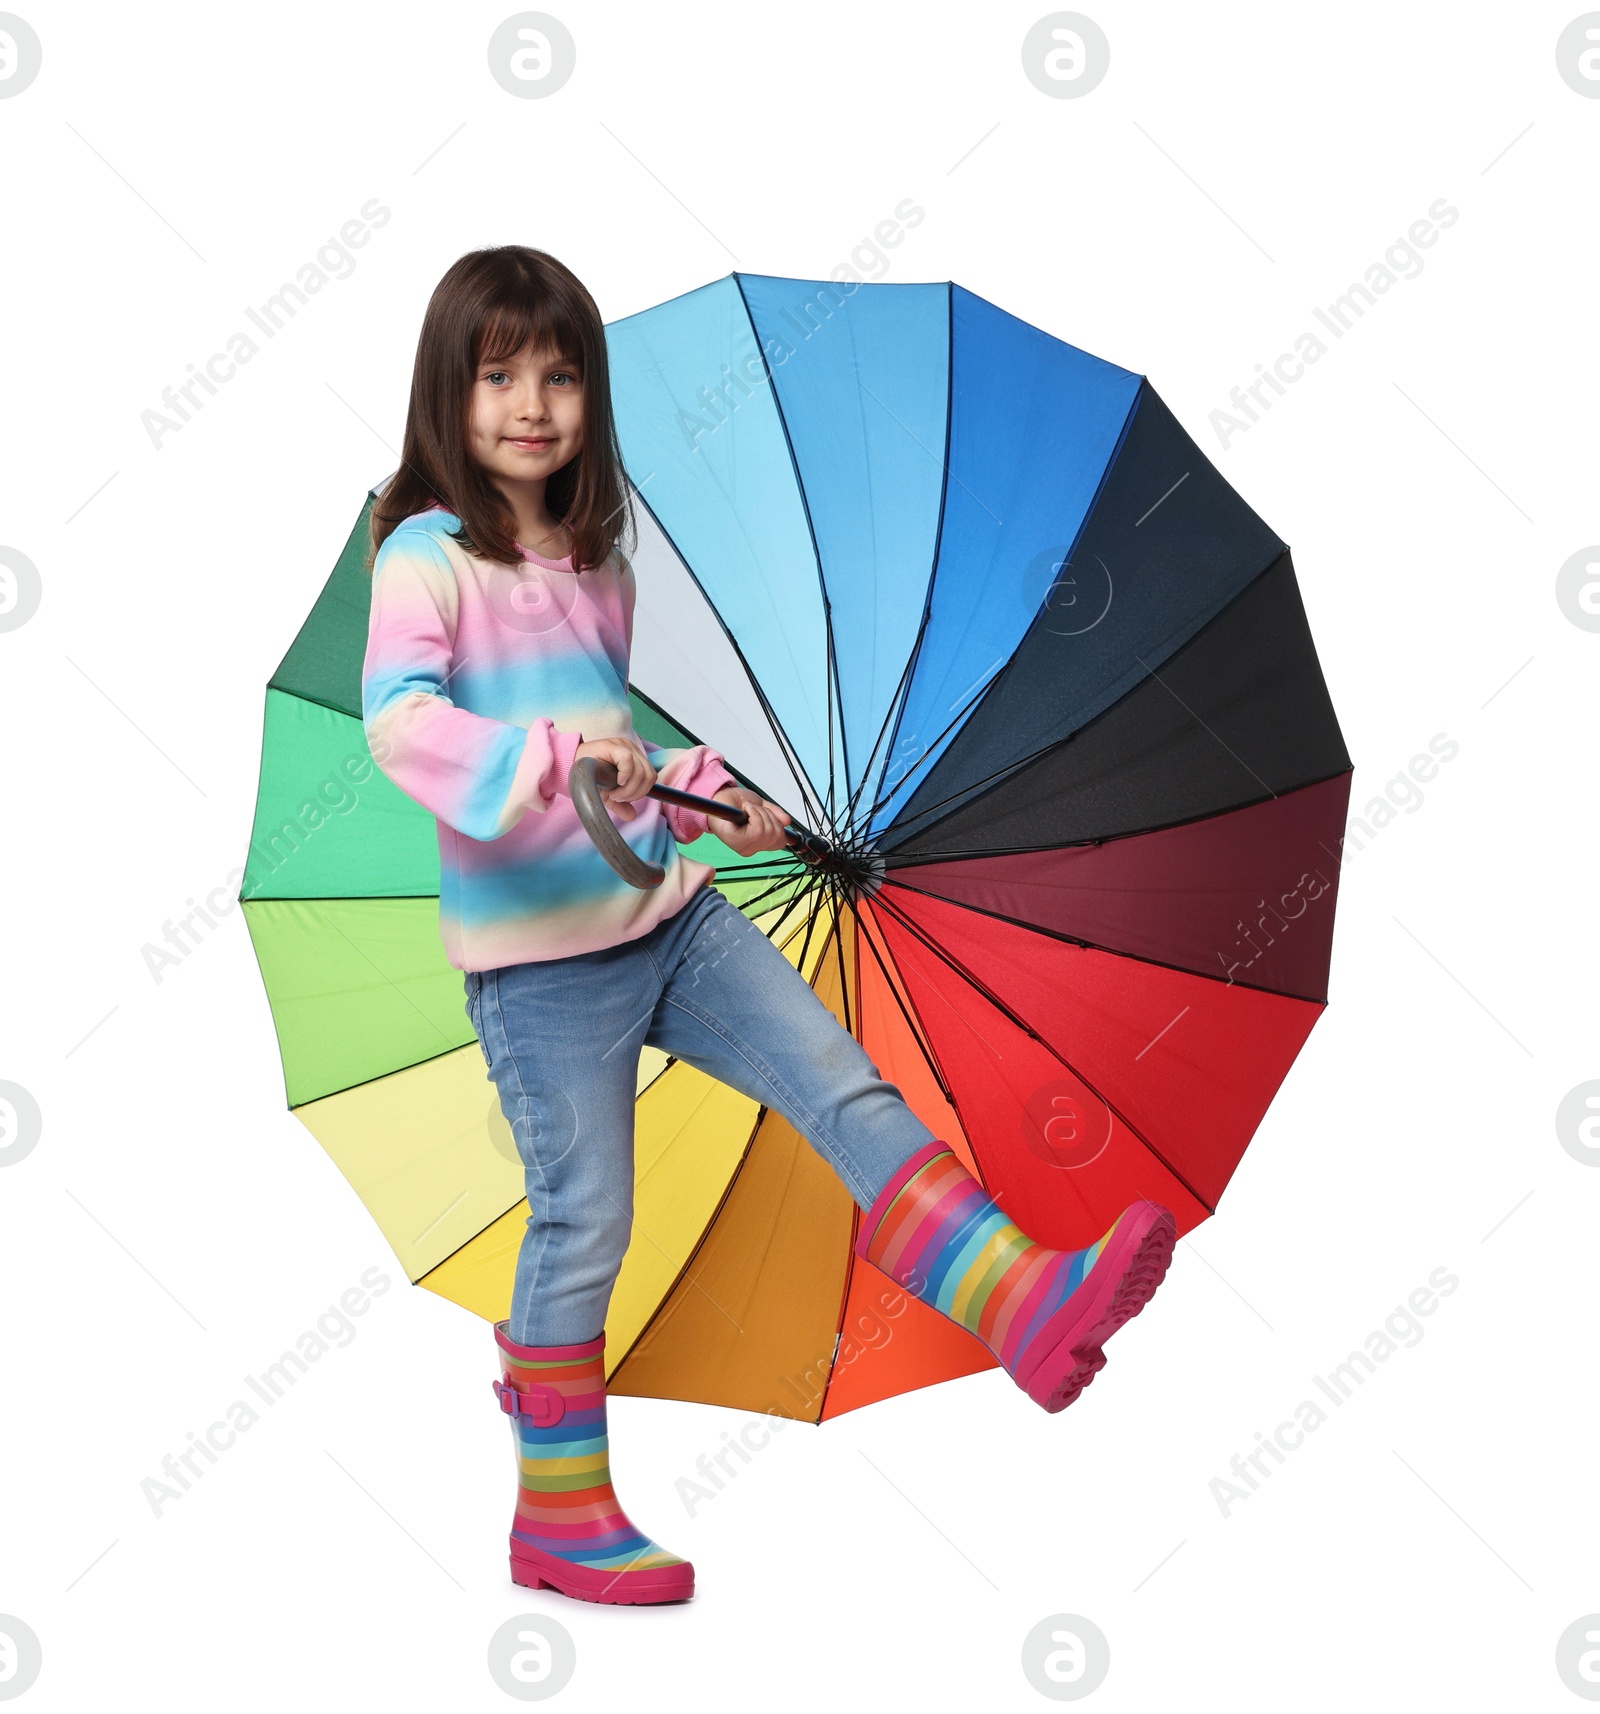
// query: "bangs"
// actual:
[[539, 324]]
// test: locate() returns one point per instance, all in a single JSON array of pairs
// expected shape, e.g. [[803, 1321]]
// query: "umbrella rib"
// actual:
[[892, 718], [761, 871], [748, 906], [855, 1226], [256, 898], [844, 1304], [802, 778], [833, 691], [794, 934], [771, 884], [919, 1029], [920, 859], [811, 927], [925, 1048], [902, 689], [999, 776], [897, 701], [466, 1243], [891, 714], [834, 698], [295, 1107], [672, 720], [315, 701], [1060, 1058], [783, 914], [839, 908], [932, 752], [1097, 946]]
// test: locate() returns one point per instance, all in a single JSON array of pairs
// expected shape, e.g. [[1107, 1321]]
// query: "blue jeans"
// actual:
[[562, 1037]]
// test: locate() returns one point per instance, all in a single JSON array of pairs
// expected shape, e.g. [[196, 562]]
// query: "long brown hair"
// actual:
[[490, 305]]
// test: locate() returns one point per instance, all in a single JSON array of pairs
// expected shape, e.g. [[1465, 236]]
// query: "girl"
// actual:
[[497, 656]]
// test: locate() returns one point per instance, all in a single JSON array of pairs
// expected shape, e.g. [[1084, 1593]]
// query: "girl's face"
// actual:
[[526, 417]]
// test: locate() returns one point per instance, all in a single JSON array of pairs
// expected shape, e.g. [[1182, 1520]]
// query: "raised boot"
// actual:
[[570, 1534], [1044, 1313]]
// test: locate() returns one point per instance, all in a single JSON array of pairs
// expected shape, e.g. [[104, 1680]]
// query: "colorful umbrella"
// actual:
[[969, 603]]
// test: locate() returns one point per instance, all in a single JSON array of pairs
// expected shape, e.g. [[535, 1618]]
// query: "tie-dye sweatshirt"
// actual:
[[480, 681]]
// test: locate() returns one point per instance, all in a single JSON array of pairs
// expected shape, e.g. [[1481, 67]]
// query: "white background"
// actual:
[[176, 1227]]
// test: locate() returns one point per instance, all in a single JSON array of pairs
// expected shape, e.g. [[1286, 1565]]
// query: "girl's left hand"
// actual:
[[762, 832]]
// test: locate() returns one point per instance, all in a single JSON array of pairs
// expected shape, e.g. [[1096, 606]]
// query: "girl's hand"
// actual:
[[635, 776], [762, 832]]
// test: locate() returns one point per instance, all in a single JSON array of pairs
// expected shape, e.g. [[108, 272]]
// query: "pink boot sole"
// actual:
[[1121, 1282], [535, 1570]]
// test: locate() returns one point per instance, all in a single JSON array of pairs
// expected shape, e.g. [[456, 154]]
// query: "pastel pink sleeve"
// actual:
[[479, 776], [699, 770]]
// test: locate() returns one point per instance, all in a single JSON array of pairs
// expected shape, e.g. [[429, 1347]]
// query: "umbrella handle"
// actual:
[[590, 776]]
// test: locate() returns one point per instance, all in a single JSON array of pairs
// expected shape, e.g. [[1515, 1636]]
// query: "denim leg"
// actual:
[[562, 1042], [735, 1007]]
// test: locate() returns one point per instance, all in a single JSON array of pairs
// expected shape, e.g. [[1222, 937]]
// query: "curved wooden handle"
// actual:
[[590, 776]]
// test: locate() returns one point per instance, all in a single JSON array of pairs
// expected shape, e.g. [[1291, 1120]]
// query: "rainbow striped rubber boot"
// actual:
[[570, 1534], [1044, 1313]]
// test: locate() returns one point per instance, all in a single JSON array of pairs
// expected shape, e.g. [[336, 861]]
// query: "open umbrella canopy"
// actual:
[[969, 602]]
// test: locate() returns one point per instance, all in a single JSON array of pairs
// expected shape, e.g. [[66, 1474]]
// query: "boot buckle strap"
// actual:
[[542, 1406]]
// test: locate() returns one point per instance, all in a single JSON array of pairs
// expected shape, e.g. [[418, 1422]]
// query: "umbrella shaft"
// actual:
[[809, 847]]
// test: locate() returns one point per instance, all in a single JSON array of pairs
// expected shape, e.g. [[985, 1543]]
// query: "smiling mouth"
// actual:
[[537, 442]]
